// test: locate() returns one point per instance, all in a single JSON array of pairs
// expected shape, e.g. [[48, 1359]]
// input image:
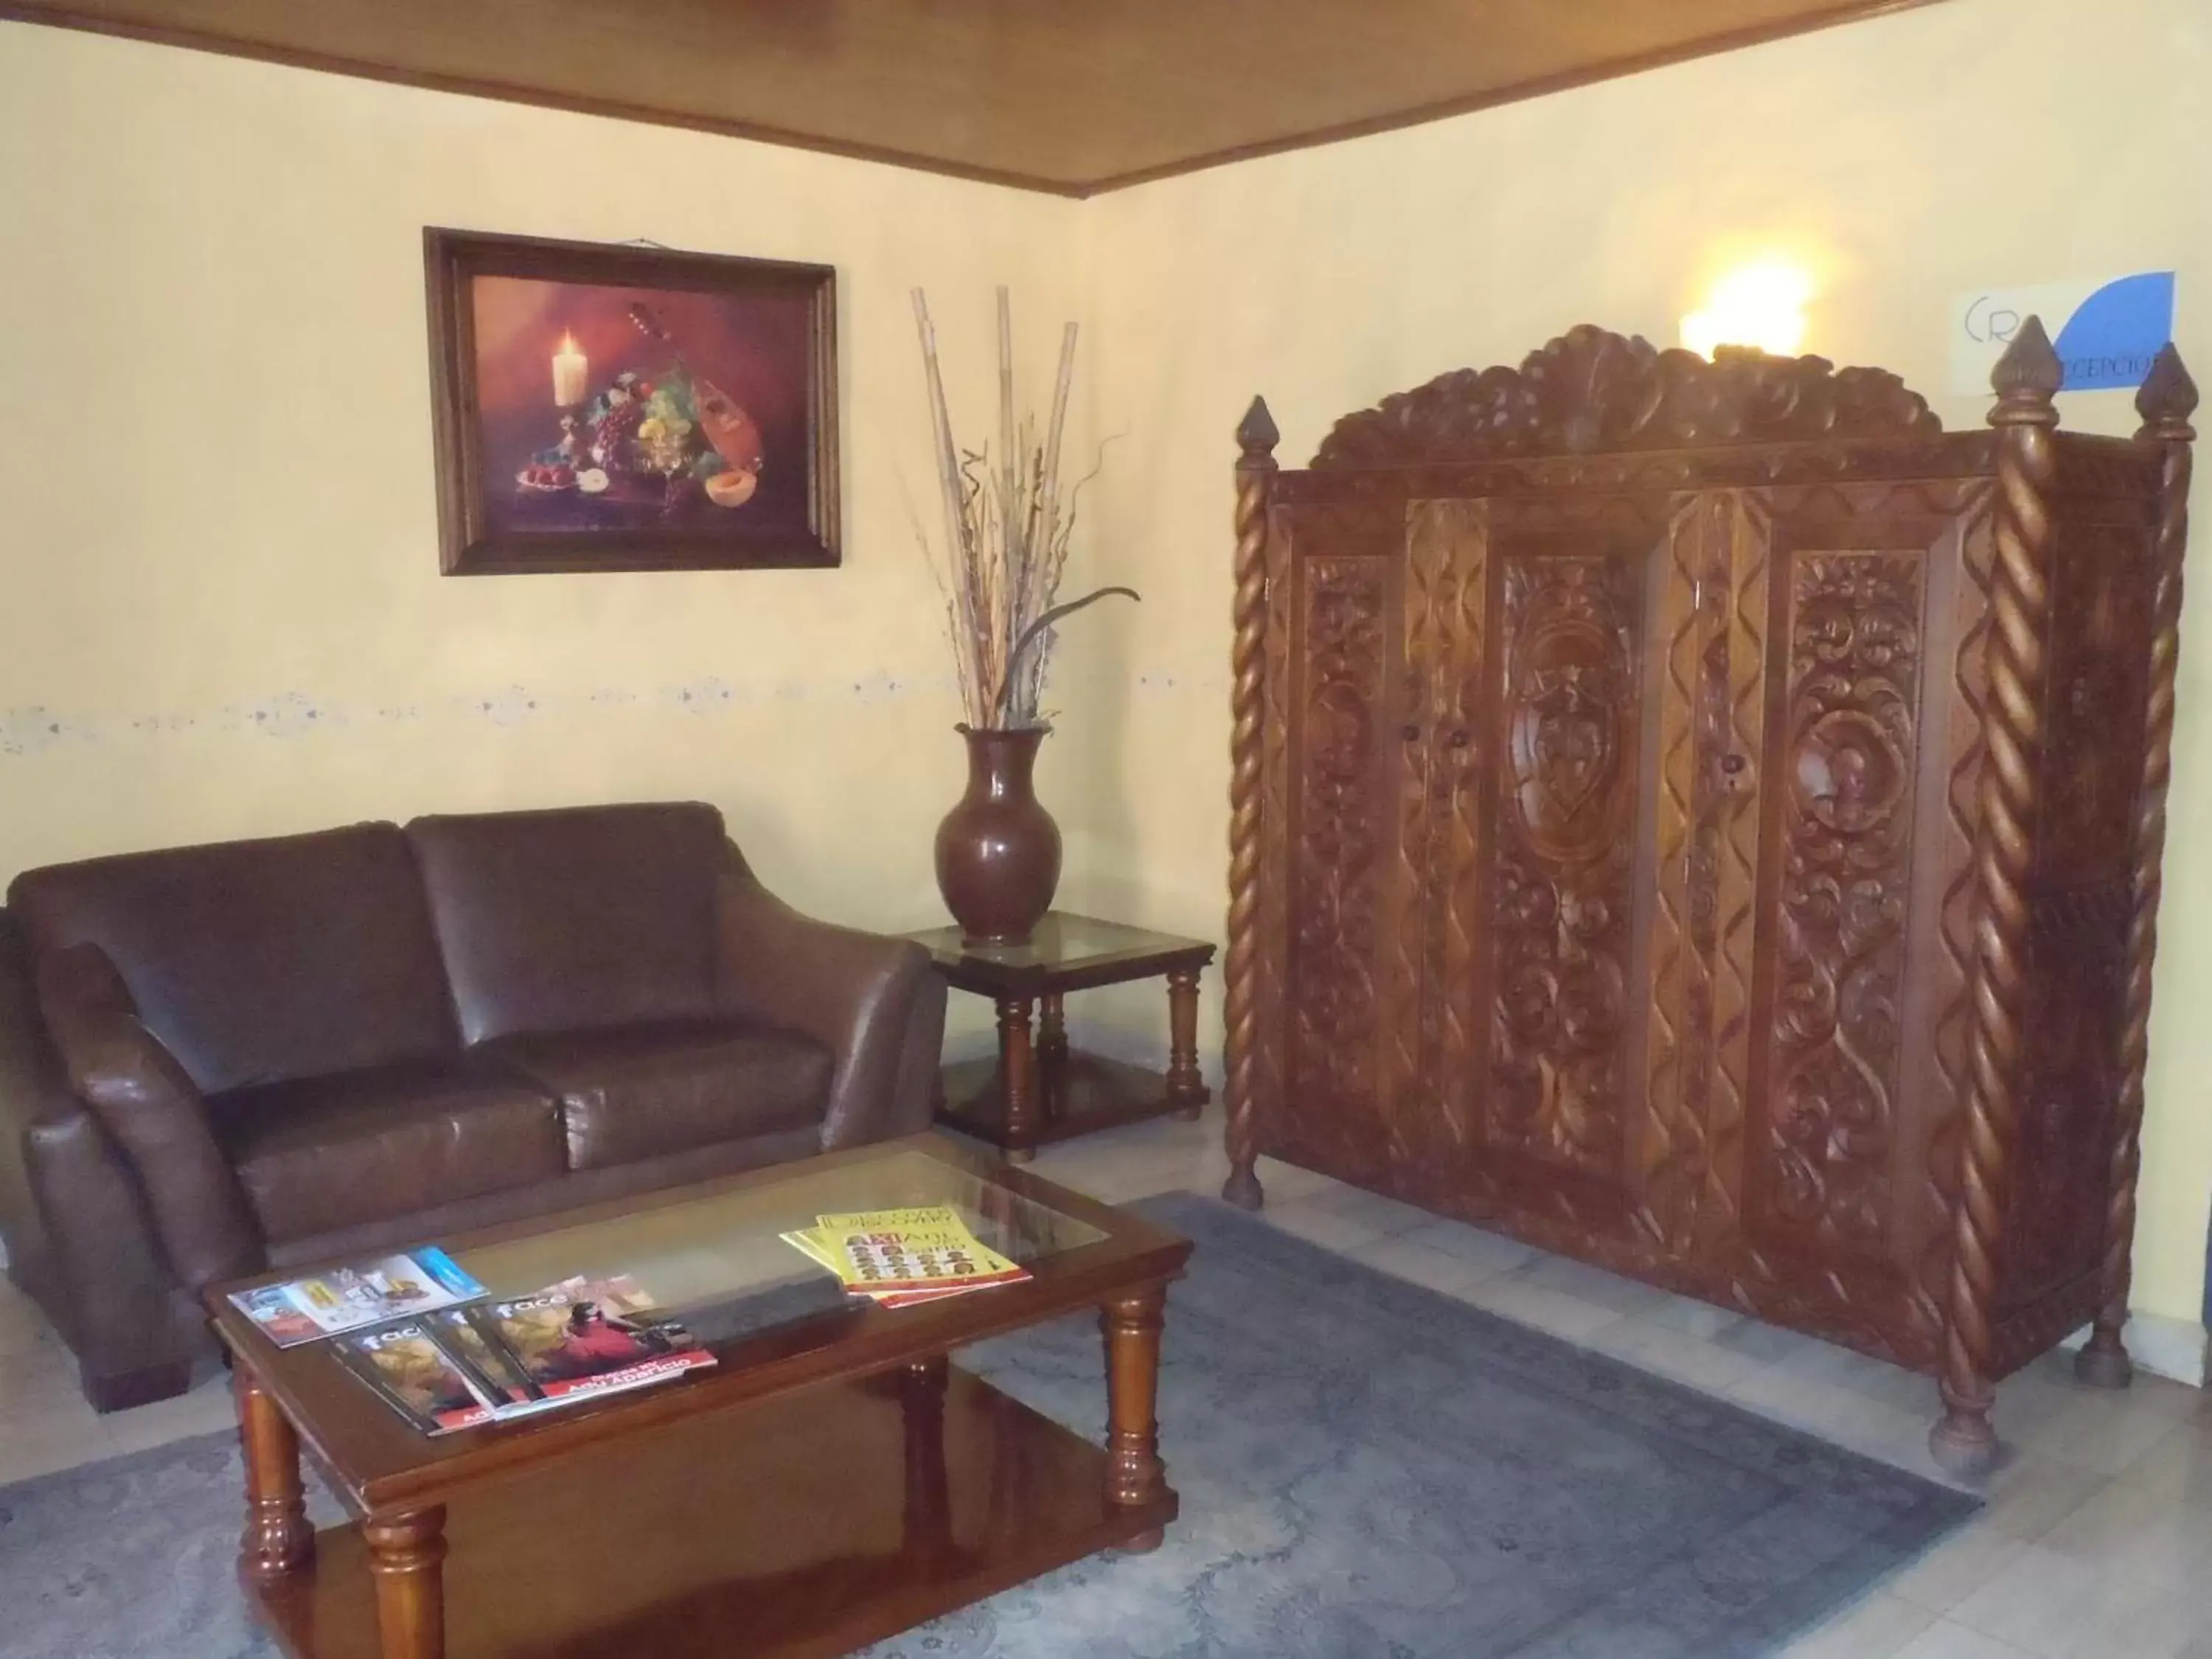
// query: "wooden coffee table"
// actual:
[[831, 1482], [1038, 1090]]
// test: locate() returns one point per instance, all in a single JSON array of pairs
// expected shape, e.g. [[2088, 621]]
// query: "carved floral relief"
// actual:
[[1562, 910], [1334, 924], [1850, 730], [1591, 390]]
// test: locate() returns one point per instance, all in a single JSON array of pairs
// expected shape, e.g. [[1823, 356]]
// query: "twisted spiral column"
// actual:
[[2166, 401], [2026, 379], [1256, 464]]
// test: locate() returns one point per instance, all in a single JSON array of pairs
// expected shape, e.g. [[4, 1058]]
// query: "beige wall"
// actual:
[[217, 491], [1976, 141], [220, 606]]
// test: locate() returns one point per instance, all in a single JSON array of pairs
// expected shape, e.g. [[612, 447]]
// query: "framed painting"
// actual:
[[605, 407]]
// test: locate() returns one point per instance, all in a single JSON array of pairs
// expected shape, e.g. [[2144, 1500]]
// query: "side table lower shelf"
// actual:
[[799, 1529], [1077, 1093]]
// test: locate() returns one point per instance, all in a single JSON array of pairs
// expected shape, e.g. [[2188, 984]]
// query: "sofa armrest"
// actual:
[[147, 1101], [80, 1240], [873, 1001]]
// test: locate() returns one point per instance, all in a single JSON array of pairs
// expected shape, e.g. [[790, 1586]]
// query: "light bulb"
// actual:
[[1761, 305]]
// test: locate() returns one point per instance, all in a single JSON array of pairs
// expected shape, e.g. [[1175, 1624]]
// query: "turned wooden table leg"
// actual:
[[1186, 1086], [406, 1555], [277, 1538], [1051, 1053], [1135, 1476], [1018, 1076], [926, 1515]]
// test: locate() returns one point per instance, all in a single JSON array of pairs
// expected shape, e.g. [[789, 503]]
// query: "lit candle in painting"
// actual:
[[569, 369]]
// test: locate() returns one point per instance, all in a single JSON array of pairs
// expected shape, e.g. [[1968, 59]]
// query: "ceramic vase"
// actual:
[[998, 850]]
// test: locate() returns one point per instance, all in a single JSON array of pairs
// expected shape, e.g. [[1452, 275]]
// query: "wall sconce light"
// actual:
[[1761, 305]]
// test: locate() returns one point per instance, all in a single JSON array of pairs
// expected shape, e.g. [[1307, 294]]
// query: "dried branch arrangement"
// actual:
[[1007, 523]]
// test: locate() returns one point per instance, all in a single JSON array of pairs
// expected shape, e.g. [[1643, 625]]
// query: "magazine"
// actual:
[[618, 1294], [347, 1298], [562, 1347], [487, 1366], [489, 1361], [818, 1253], [909, 1250], [416, 1376], [901, 1257]]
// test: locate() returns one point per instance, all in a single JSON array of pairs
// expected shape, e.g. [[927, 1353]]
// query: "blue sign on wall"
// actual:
[[2105, 333], [2112, 335]]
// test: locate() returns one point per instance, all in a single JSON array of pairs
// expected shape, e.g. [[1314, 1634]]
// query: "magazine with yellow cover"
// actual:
[[904, 1252], [922, 1248], [815, 1251]]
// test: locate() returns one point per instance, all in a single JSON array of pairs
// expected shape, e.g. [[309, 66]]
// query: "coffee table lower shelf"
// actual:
[[808, 1526]]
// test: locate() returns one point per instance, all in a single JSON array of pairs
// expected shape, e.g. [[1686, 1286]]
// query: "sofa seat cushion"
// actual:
[[318, 1154], [640, 1092]]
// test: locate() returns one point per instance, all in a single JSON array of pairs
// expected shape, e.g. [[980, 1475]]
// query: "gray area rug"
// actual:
[[1369, 1470]]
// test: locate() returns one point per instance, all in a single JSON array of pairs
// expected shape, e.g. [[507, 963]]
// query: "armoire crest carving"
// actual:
[[1704, 818]]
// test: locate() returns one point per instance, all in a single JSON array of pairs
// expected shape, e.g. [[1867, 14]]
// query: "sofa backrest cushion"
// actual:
[[260, 961], [581, 917]]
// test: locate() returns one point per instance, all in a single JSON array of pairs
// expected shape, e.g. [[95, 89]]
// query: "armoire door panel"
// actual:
[[1447, 815], [1704, 935], [1573, 593], [1348, 987], [1836, 1154]]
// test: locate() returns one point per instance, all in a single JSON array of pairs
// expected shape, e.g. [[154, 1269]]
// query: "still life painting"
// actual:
[[618, 408]]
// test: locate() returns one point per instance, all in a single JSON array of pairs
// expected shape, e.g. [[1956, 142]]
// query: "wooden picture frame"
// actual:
[[598, 408]]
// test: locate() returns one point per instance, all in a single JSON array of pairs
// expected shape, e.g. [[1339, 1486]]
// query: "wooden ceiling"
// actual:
[[1072, 96]]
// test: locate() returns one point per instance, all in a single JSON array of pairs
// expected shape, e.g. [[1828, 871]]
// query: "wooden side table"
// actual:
[[1038, 1090]]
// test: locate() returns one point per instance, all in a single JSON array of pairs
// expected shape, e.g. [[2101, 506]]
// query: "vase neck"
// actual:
[[1001, 764]]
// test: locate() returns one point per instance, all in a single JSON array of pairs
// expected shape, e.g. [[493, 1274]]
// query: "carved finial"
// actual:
[[2027, 378], [2167, 398], [1256, 434]]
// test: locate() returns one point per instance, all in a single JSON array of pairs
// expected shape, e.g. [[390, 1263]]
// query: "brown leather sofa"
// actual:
[[217, 1059]]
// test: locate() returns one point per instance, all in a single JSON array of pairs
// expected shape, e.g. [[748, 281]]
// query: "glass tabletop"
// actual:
[[716, 1261], [711, 1257], [1063, 940]]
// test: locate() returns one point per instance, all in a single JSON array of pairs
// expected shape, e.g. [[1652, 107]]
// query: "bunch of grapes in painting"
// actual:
[[612, 420], [669, 443], [694, 443]]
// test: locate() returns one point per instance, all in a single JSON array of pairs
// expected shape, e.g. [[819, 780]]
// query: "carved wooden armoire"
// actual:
[[1705, 819]]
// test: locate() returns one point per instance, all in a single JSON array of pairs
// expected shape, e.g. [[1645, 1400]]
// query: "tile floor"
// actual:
[[2097, 1542]]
